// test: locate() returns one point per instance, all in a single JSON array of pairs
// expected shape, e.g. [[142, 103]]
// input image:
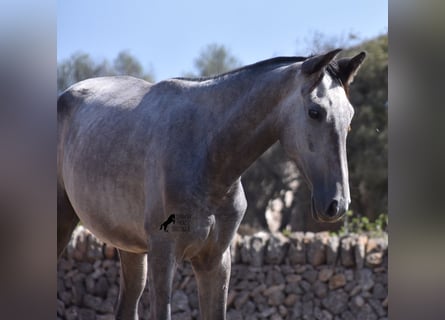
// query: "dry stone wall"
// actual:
[[303, 276]]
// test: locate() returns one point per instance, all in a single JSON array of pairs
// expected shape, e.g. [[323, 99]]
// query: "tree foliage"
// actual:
[[215, 59], [126, 64], [368, 140], [318, 42], [81, 66]]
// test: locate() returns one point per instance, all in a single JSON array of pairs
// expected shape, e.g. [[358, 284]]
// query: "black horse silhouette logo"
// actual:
[[171, 219]]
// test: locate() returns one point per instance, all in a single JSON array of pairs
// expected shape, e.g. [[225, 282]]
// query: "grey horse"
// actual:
[[130, 154]]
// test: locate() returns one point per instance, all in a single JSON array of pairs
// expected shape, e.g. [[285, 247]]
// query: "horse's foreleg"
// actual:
[[213, 283], [161, 268], [132, 283]]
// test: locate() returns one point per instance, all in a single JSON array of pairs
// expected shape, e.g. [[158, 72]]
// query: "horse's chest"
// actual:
[[209, 230]]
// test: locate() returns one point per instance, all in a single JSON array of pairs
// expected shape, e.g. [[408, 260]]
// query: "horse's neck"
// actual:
[[249, 126]]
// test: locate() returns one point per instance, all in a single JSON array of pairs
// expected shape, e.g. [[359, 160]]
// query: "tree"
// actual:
[[81, 66], [78, 67], [318, 42], [368, 140], [126, 64], [215, 59]]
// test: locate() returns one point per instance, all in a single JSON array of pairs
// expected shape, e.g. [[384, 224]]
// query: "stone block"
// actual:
[[276, 249], [332, 249], [320, 289], [316, 250], [297, 250], [310, 275], [336, 302], [360, 250], [347, 251], [337, 281], [325, 274], [291, 300]]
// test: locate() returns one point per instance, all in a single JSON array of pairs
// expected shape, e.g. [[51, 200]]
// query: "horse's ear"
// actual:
[[348, 67], [317, 63]]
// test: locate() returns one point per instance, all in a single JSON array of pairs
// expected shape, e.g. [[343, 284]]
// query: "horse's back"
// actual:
[[119, 91], [91, 98]]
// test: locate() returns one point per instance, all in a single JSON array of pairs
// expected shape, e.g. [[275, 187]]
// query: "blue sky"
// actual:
[[167, 36]]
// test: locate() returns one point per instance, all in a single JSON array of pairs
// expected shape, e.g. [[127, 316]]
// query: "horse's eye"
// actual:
[[315, 114]]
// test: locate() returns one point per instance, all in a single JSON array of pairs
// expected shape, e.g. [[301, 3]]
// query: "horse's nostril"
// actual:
[[332, 209]]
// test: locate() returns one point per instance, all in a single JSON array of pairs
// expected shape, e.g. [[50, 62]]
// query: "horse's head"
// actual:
[[317, 121]]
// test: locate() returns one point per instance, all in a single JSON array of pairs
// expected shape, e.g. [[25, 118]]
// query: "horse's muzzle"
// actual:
[[332, 212]]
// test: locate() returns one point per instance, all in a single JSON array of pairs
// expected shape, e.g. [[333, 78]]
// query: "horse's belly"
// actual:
[[112, 211], [128, 235]]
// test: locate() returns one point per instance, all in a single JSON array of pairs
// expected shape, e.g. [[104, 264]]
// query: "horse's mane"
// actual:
[[269, 63], [332, 68]]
